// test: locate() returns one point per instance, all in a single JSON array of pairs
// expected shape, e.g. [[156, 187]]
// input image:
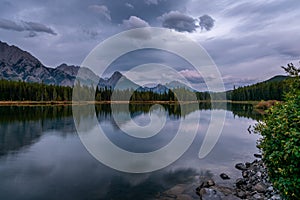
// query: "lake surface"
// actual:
[[42, 157]]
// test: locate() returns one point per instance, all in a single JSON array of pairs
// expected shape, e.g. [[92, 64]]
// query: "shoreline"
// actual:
[[253, 184], [48, 103]]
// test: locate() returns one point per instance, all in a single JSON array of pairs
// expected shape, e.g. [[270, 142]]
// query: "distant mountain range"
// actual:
[[17, 64]]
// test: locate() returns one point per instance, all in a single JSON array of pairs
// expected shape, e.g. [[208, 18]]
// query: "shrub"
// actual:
[[264, 105], [280, 143]]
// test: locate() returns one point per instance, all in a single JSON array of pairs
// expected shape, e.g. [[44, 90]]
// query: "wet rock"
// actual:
[[240, 182], [240, 166], [245, 174], [178, 189], [241, 194], [210, 194], [224, 176], [257, 155], [207, 184], [258, 174], [210, 183], [260, 187], [230, 197], [270, 189], [224, 190], [184, 197], [258, 197], [254, 185], [276, 197], [247, 164]]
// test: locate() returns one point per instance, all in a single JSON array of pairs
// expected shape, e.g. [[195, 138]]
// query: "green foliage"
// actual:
[[268, 90], [22, 91], [280, 142]]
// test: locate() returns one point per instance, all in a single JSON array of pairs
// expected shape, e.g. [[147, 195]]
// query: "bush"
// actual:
[[280, 143], [264, 105]]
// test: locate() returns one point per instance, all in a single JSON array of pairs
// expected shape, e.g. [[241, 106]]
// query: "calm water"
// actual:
[[42, 157]]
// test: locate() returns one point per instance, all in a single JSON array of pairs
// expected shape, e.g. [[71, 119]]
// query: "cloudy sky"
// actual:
[[248, 40]]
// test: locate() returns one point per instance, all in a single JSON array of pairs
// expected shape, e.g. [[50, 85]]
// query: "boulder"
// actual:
[[260, 187], [241, 166], [224, 176]]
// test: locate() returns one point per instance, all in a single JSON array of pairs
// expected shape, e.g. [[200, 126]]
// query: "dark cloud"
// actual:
[[178, 21], [144, 56], [32, 34], [147, 10], [25, 26], [206, 22], [250, 35], [92, 34]]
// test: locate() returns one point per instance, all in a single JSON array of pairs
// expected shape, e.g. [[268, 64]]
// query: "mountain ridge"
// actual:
[[19, 65]]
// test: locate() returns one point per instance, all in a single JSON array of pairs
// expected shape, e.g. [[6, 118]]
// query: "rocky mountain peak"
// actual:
[[12, 55]]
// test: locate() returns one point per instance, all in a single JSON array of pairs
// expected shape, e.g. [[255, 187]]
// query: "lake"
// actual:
[[42, 157]]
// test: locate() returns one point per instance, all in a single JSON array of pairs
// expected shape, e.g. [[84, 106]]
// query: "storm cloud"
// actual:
[[179, 22], [25, 26], [206, 22], [242, 37]]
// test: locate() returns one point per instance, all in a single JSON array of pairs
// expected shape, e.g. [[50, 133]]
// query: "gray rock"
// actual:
[[245, 174], [240, 166], [260, 187], [240, 182], [241, 194], [224, 176], [230, 197], [210, 194], [258, 197], [248, 164], [210, 183], [276, 197], [270, 189], [257, 155], [258, 174]]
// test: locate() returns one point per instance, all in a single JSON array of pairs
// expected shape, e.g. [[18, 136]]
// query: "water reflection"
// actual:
[[41, 156], [22, 125]]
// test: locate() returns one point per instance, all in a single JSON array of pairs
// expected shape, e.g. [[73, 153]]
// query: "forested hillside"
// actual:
[[22, 91], [273, 89]]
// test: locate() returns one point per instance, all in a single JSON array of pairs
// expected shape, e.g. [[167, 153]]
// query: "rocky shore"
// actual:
[[252, 185]]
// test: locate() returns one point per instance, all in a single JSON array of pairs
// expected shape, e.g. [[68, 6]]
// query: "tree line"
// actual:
[[23, 91], [273, 90]]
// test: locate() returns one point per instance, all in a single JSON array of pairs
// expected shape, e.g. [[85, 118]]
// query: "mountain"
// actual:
[[87, 76], [178, 84], [119, 81], [16, 64], [277, 78]]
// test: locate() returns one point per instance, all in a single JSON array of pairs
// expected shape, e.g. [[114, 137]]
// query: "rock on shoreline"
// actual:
[[253, 185]]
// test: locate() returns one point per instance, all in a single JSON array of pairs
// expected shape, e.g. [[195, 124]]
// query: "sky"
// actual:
[[248, 40]]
